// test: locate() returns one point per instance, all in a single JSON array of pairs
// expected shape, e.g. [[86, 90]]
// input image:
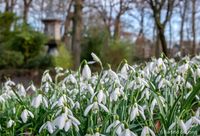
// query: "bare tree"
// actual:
[[157, 7], [9, 5], [111, 12]]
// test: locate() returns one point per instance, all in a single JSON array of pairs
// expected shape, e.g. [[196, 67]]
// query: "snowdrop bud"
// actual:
[[95, 58], [86, 72], [10, 123]]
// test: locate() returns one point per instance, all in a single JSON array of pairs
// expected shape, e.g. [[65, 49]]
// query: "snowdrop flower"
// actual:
[[145, 93], [9, 83], [115, 94], [184, 126], [154, 103], [59, 69], [46, 77], [127, 132], [183, 68], [146, 131], [124, 71], [95, 107], [38, 100], [2, 100], [31, 88], [96, 134], [101, 97], [86, 72], [72, 79], [71, 122], [10, 123], [135, 111], [25, 114], [77, 105], [49, 126], [115, 125], [90, 89], [197, 114], [60, 121], [113, 76], [66, 121], [95, 58], [21, 90], [188, 85]]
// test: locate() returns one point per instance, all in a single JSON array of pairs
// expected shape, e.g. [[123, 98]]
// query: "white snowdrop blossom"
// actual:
[[66, 121], [146, 131], [116, 94], [115, 125], [25, 114], [49, 126], [127, 132], [10, 123], [135, 111], [95, 107], [36, 102], [86, 72], [21, 90]]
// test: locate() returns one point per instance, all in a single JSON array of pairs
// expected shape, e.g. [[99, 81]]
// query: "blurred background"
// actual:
[[41, 34]]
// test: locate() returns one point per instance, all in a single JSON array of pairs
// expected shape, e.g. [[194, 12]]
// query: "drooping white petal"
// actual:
[[60, 121], [103, 107], [68, 124], [183, 126], [10, 123], [87, 110], [36, 101], [100, 96]]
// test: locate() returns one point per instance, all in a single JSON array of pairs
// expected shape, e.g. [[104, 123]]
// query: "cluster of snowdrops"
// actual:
[[160, 97]]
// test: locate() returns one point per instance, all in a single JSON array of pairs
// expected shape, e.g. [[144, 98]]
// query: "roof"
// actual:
[[51, 20]]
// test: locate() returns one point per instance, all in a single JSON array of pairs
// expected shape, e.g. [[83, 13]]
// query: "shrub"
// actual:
[[116, 52], [11, 59], [92, 43], [63, 59], [29, 42], [41, 61]]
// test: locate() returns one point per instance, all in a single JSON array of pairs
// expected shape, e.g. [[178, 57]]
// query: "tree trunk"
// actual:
[[161, 34], [77, 29], [193, 27], [25, 14], [9, 5], [27, 4], [117, 28], [66, 37], [182, 26], [163, 41]]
